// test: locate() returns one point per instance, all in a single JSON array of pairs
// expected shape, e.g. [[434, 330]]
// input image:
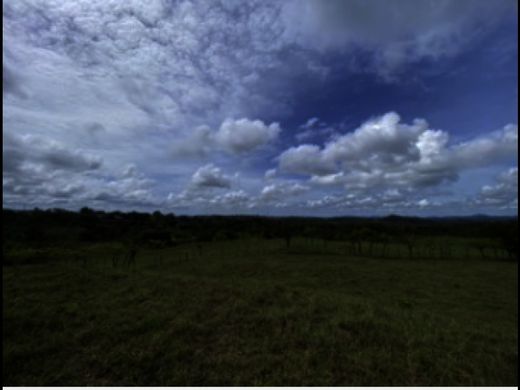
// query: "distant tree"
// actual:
[[356, 238], [384, 240], [409, 242], [509, 242], [288, 238], [156, 238], [34, 233], [372, 237], [86, 211], [481, 247], [430, 248]]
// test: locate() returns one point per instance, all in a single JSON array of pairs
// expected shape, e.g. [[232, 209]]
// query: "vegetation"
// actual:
[[95, 298]]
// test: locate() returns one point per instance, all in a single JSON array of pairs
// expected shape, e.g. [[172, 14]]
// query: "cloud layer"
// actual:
[[223, 106]]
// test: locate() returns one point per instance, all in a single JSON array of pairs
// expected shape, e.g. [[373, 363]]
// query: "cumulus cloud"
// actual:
[[40, 172], [285, 191], [386, 152], [197, 144], [229, 202], [280, 194], [244, 135], [380, 203], [20, 151], [270, 174], [233, 200], [306, 159], [423, 203], [210, 176], [123, 192], [503, 194], [233, 136], [501, 145]]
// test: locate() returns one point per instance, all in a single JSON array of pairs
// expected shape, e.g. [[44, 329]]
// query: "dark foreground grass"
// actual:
[[253, 313]]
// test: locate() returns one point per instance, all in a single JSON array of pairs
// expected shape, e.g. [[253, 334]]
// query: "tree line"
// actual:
[[363, 236]]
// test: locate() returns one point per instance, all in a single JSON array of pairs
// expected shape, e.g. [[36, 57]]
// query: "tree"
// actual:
[[509, 242]]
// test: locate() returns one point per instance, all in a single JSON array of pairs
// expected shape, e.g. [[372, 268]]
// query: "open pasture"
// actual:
[[260, 312]]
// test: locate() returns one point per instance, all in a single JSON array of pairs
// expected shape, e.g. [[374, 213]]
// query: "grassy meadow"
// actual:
[[259, 312]]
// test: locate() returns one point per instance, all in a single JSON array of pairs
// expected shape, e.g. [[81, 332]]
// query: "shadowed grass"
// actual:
[[256, 313]]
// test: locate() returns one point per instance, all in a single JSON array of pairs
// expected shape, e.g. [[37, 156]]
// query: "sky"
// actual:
[[294, 107]]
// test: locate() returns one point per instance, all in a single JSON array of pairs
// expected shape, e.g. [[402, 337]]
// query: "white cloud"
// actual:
[[431, 143], [311, 122], [210, 176], [384, 139], [306, 159], [124, 192], [314, 129], [503, 194], [230, 202], [197, 144], [423, 203], [498, 146], [244, 135], [270, 174], [330, 179], [282, 191], [233, 136], [20, 151], [386, 152]]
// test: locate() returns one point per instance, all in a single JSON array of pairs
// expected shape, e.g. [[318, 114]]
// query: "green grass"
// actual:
[[255, 313]]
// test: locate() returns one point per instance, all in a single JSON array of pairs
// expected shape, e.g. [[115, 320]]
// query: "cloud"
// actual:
[[306, 159], [233, 200], [40, 172], [383, 138], [311, 122], [313, 128], [383, 151], [19, 151], [230, 202], [423, 203], [279, 191], [499, 146], [12, 83], [126, 192], [68, 191], [382, 203], [130, 171], [210, 176], [196, 145], [233, 137], [393, 34], [244, 135], [116, 104], [503, 194], [270, 174]]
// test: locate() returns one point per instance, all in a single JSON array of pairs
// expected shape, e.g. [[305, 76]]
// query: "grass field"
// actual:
[[258, 313]]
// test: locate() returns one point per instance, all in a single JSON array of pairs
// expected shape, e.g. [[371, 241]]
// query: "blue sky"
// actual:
[[298, 107]]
